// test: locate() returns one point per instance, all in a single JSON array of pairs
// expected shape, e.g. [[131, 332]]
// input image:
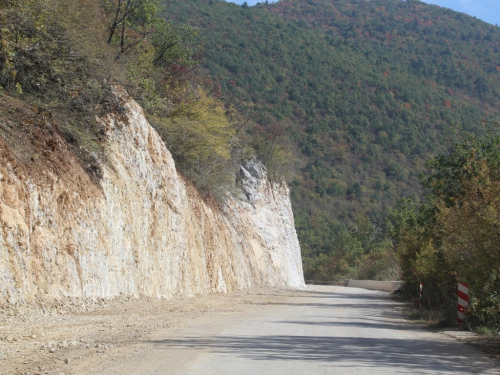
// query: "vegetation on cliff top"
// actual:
[[64, 57]]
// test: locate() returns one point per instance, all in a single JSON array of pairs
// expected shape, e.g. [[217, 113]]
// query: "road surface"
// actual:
[[328, 330]]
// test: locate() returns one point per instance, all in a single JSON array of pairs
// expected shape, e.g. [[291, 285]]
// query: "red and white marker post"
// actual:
[[463, 302]]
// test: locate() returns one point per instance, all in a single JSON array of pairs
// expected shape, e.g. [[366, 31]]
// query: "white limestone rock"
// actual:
[[141, 230]]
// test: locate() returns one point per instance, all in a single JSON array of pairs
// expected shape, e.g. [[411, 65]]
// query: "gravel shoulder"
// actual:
[[84, 338]]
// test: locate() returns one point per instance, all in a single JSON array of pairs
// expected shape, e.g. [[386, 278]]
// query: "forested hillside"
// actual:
[[358, 93]]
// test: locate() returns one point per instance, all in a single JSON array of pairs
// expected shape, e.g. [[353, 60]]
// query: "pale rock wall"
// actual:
[[141, 230]]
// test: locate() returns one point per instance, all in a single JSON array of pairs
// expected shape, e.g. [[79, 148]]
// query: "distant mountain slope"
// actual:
[[367, 90]]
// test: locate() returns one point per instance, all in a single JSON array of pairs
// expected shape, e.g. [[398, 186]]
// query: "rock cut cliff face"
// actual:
[[140, 229]]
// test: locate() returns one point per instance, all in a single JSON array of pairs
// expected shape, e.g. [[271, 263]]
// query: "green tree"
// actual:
[[160, 69], [200, 137], [136, 15], [470, 227], [453, 236], [21, 34]]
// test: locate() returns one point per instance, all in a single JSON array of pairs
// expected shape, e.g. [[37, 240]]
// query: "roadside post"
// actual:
[[421, 294], [463, 302]]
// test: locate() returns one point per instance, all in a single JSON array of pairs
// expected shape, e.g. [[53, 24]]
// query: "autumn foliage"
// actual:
[[67, 55], [453, 236]]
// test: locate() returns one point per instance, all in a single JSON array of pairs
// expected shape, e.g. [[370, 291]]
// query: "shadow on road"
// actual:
[[410, 354], [362, 300], [359, 324], [419, 354]]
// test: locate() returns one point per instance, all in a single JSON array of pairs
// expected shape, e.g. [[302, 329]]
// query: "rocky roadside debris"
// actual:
[[485, 343], [58, 338]]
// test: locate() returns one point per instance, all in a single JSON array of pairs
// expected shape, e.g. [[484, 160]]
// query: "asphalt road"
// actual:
[[331, 330]]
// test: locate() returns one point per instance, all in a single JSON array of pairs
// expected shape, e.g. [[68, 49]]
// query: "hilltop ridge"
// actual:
[[365, 91]]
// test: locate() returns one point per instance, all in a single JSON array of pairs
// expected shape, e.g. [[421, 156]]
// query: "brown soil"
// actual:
[[31, 141]]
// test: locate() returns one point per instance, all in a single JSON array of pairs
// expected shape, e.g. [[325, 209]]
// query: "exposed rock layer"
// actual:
[[141, 229]]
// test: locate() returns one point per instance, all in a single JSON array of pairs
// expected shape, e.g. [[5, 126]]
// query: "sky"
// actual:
[[486, 10]]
